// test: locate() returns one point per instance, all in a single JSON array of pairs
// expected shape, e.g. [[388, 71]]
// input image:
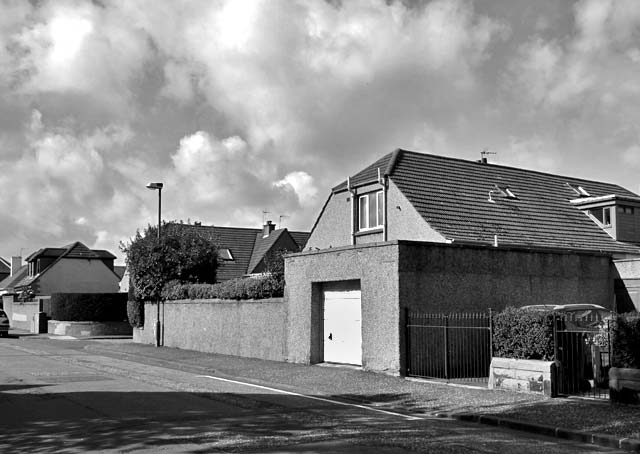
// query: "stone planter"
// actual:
[[624, 385], [523, 375]]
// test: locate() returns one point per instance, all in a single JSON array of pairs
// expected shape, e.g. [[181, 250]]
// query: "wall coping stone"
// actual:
[[278, 300], [506, 248]]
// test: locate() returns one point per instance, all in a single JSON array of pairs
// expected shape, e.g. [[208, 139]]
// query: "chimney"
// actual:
[[267, 229], [16, 263]]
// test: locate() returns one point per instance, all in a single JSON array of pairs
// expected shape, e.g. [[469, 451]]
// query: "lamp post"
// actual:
[[158, 187]]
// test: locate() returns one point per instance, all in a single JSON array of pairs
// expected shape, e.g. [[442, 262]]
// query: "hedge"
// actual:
[[260, 287], [135, 313], [89, 307], [523, 334], [625, 341]]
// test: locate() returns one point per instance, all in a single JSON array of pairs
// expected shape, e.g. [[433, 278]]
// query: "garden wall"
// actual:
[[249, 328], [23, 315]]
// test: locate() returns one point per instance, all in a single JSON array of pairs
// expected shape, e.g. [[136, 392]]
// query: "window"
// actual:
[[624, 209], [505, 191], [603, 215], [225, 254], [606, 216], [370, 212], [579, 190]]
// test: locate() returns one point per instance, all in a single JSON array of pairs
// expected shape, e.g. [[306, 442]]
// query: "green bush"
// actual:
[[523, 334], [89, 307], [184, 252], [135, 313], [235, 289], [625, 341]]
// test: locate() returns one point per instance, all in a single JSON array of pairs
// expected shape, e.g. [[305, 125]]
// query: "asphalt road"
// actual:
[[63, 396]]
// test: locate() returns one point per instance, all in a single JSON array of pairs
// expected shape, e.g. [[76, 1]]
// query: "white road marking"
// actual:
[[321, 399]]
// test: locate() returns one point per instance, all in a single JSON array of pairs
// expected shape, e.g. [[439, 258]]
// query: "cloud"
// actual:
[[57, 186], [302, 184], [240, 107]]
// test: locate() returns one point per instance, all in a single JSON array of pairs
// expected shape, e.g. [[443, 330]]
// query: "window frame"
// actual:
[[365, 199]]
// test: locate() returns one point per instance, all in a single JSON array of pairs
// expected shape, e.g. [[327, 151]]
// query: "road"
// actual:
[[65, 396]]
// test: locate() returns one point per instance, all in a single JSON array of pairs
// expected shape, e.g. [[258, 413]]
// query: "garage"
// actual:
[[342, 316]]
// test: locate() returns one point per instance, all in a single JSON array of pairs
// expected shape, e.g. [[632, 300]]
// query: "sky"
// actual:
[[241, 107]]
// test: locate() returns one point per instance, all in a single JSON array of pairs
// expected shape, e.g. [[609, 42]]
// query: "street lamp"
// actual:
[[153, 187]]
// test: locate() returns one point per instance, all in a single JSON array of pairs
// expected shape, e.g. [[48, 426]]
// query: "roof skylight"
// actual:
[[225, 254], [579, 190]]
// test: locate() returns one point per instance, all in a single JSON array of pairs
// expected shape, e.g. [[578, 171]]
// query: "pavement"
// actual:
[[570, 419]]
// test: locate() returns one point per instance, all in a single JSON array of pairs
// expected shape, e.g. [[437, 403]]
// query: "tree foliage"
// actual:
[[184, 253]]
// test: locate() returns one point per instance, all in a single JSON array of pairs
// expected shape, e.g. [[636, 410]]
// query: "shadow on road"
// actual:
[[211, 422]]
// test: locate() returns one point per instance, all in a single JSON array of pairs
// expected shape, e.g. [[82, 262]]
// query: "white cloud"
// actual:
[[244, 106], [302, 184]]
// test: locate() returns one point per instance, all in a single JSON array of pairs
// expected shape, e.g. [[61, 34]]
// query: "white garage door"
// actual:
[[342, 327]]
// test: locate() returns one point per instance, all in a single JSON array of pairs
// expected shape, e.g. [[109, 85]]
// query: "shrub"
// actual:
[[184, 252], [89, 307], [625, 341], [135, 313], [523, 334], [235, 289]]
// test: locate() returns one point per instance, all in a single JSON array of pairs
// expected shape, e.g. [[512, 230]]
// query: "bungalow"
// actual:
[[428, 233], [69, 269]]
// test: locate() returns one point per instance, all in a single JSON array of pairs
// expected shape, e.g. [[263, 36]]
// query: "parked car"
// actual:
[[4, 324], [582, 315]]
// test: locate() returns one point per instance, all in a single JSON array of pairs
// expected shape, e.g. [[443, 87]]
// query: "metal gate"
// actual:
[[583, 349], [453, 347]]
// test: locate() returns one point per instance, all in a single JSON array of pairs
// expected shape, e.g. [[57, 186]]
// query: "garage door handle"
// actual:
[[330, 336]]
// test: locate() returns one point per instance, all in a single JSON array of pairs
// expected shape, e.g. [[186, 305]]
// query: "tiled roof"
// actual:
[[5, 266], [262, 246], [370, 174], [119, 270], [239, 241], [10, 282], [452, 195], [246, 246], [300, 238], [75, 250]]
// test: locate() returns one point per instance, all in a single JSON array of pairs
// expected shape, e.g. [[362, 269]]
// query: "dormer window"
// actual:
[[602, 215], [370, 212]]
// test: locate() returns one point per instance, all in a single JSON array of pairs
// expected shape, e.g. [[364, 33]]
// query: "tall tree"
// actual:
[[184, 253]]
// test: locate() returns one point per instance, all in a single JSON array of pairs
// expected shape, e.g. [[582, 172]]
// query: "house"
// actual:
[[415, 196], [420, 232], [242, 251], [69, 269]]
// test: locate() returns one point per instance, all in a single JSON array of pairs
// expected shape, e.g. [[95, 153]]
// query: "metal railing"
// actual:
[[582, 347], [451, 347], [458, 347]]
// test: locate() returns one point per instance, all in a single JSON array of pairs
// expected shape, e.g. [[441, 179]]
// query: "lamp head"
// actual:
[[154, 186]]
